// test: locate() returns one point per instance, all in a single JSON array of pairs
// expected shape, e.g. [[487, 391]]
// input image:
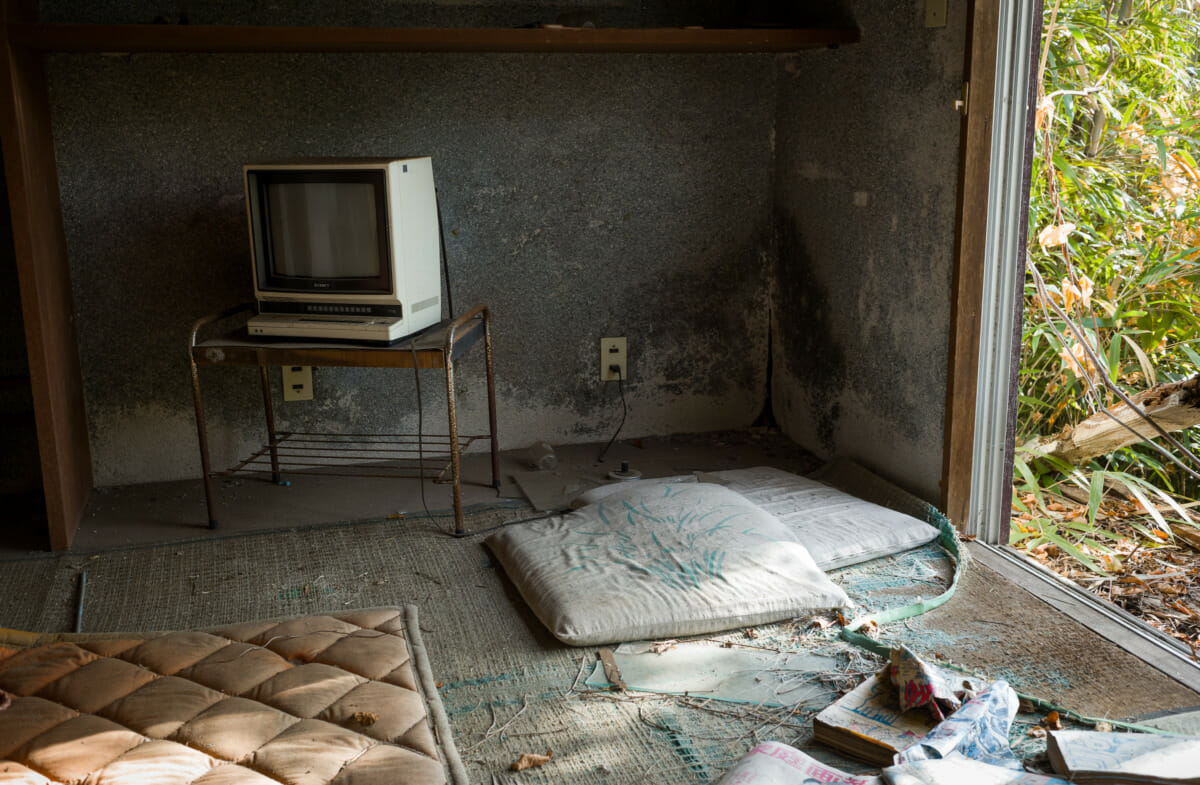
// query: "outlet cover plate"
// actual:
[[935, 13], [297, 382], [613, 352]]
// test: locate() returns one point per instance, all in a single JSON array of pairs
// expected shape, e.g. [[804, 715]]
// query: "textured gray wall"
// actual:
[[583, 196], [866, 197], [682, 201]]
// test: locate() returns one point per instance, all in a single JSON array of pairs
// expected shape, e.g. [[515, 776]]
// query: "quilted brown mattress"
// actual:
[[343, 699]]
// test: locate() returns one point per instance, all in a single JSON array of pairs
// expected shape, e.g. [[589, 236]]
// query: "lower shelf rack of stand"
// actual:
[[392, 455]]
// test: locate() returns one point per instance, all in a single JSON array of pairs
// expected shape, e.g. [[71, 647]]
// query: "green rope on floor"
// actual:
[[949, 541]]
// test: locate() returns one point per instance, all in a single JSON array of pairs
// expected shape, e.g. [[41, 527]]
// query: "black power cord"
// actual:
[[624, 411], [445, 262], [412, 346], [416, 368]]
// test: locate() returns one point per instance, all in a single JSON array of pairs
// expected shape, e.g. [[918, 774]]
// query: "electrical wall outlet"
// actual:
[[935, 13], [613, 366], [297, 382]]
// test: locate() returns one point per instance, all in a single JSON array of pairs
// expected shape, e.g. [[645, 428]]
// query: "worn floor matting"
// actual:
[[508, 685]]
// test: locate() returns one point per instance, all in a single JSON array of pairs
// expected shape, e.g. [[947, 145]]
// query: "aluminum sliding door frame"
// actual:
[[1019, 29], [1003, 271]]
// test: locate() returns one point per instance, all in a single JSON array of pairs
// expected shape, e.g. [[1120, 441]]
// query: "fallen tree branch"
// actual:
[[1167, 407], [1091, 354]]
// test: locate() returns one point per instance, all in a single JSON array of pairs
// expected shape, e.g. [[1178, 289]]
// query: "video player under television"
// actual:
[[375, 329]]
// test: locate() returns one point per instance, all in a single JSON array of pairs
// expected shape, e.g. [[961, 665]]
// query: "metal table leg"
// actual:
[[455, 467], [270, 412], [491, 395], [201, 426], [202, 435]]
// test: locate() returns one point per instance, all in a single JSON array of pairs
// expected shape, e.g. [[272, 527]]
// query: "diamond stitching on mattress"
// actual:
[[405, 723]]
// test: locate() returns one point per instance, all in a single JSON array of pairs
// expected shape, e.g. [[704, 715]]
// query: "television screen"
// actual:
[[320, 230], [324, 230]]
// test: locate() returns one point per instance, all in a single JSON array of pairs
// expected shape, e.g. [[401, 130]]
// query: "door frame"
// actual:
[[986, 332], [985, 337]]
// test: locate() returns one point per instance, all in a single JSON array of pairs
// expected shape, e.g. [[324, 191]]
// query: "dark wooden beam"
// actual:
[[45, 284], [210, 38], [967, 284]]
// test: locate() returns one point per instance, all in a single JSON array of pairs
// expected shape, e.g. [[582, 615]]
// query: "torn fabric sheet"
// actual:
[[738, 674]]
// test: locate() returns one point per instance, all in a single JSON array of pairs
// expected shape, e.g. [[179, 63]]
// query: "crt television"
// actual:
[[344, 249]]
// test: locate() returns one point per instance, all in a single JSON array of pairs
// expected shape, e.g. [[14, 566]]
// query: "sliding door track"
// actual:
[[1122, 628]]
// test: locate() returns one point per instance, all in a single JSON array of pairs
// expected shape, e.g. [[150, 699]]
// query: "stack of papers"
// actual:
[[1091, 757], [867, 723]]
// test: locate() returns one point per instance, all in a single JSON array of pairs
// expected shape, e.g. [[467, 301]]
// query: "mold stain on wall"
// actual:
[[813, 356], [866, 189]]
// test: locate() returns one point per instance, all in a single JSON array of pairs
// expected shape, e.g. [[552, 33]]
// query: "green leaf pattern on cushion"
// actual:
[[684, 558]]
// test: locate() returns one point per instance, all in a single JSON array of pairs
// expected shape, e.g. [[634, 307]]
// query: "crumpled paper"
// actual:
[[978, 730], [921, 685]]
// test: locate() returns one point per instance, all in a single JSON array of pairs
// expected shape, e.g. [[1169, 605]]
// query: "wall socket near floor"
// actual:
[[297, 382], [935, 13], [612, 354]]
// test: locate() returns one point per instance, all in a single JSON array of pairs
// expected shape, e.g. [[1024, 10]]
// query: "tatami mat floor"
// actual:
[[152, 564]]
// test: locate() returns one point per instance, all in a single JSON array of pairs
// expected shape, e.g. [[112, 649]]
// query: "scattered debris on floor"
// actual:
[[531, 760], [758, 676], [870, 722], [1144, 565], [970, 745]]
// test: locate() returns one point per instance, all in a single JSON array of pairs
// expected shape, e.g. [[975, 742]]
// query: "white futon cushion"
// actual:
[[602, 492], [837, 528], [662, 562]]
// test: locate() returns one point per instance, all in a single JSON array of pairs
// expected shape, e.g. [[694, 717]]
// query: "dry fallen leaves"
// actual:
[[821, 622], [1055, 235], [1154, 572], [660, 647], [530, 760]]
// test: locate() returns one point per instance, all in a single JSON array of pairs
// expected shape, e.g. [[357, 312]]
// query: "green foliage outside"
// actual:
[[1114, 234]]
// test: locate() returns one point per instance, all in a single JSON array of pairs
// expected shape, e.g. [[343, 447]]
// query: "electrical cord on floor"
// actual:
[[624, 411], [543, 516], [412, 346]]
